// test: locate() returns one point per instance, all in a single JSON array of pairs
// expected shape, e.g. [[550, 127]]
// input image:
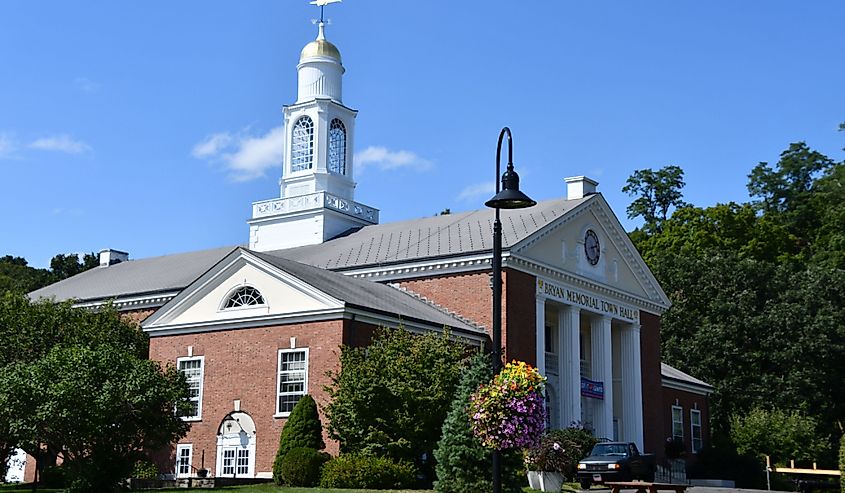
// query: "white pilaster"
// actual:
[[632, 390], [602, 366], [569, 352], [540, 335]]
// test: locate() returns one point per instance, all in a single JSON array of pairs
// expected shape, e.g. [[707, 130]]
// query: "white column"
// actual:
[[602, 366], [569, 364], [632, 386], [540, 335]]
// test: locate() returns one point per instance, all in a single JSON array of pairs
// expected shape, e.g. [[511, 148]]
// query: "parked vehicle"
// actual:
[[615, 461]]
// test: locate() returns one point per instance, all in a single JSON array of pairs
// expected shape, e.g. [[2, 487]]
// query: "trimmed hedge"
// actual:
[[302, 466], [367, 472]]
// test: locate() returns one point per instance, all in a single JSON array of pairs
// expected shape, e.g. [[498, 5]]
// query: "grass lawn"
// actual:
[[268, 488]]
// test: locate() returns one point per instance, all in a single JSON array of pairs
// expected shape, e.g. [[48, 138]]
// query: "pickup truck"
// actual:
[[615, 461]]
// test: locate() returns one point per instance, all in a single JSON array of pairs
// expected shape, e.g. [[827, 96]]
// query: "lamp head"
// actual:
[[510, 197]]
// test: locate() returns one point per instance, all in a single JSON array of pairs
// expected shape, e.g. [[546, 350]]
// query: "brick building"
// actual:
[[257, 327]]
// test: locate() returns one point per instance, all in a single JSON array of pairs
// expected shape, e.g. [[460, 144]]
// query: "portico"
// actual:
[[588, 346]]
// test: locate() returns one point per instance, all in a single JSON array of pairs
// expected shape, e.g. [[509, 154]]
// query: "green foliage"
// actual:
[[301, 466], [367, 472], [657, 192], [145, 469], [391, 398], [64, 266], [16, 275], [779, 434], [560, 451], [302, 429], [463, 464], [720, 460], [757, 290], [79, 381]]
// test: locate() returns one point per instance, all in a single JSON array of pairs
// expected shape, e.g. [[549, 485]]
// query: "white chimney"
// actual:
[[110, 257], [578, 187]]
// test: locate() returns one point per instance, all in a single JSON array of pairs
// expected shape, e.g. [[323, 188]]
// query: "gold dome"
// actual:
[[320, 48]]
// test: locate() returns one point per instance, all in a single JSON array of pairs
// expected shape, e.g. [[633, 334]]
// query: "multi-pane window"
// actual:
[[293, 378], [192, 368], [243, 461], [245, 296], [302, 148], [695, 430], [229, 461], [677, 422], [337, 147], [183, 460]]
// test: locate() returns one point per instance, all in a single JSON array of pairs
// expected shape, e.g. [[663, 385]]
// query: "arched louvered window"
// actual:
[[337, 147], [302, 149], [245, 296]]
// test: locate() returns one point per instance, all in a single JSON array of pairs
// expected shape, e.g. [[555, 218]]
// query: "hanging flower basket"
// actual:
[[509, 412]]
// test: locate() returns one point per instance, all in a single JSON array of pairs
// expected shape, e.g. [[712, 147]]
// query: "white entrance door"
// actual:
[[236, 462]]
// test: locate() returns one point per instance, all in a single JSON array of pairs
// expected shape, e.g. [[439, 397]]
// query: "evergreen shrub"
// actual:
[[367, 472], [463, 464], [302, 429], [301, 466]]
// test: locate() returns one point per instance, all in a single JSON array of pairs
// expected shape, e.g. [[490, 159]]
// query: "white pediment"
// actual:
[[560, 247], [203, 303]]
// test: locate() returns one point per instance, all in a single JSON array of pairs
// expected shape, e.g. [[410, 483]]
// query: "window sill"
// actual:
[[281, 415], [192, 418]]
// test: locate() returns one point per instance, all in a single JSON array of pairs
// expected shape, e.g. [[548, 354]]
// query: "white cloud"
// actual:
[[86, 85], [245, 156], [7, 145], [60, 143], [211, 145], [477, 191], [385, 159]]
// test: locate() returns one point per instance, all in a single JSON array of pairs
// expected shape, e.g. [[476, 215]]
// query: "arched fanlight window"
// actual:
[[302, 150], [337, 147], [244, 296]]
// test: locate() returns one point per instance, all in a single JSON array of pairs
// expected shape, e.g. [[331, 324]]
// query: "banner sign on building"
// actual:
[[590, 388], [584, 300]]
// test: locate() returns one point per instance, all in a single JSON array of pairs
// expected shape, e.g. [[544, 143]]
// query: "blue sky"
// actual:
[[104, 105]]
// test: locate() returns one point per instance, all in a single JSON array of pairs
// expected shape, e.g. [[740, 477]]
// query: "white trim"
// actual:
[[131, 303], [424, 268], [694, 450], [221, 307], [277, 393], [201, 359], [681, 414], [671, 383], [179, 448]]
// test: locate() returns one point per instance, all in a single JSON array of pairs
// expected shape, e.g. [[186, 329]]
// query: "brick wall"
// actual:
[[468, 294], [653, 418], [243, 364], [687, 401], [520, 316]]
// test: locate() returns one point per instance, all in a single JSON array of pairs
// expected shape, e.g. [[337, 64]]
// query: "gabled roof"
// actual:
[[381, 244], [367, 294], [340, 292]]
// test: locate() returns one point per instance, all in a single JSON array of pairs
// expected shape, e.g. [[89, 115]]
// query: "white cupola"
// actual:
[[317, 190]]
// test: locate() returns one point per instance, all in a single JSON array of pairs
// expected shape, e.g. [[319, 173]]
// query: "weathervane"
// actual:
[[322, 4]]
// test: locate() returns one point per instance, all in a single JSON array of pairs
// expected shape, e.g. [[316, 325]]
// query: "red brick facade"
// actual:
[[687, 401], [243, 364]]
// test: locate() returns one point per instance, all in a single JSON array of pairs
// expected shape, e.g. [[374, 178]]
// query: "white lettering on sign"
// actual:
[[588, 301]]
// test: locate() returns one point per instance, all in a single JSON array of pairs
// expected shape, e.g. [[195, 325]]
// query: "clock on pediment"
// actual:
[[591, 247]]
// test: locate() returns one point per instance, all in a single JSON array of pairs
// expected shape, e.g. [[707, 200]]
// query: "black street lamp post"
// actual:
[[507, 197]]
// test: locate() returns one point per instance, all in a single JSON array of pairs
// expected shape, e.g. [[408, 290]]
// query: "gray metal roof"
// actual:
[[429, 237], [135, 277], [368, 294], [675, 374], [381, 244]]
